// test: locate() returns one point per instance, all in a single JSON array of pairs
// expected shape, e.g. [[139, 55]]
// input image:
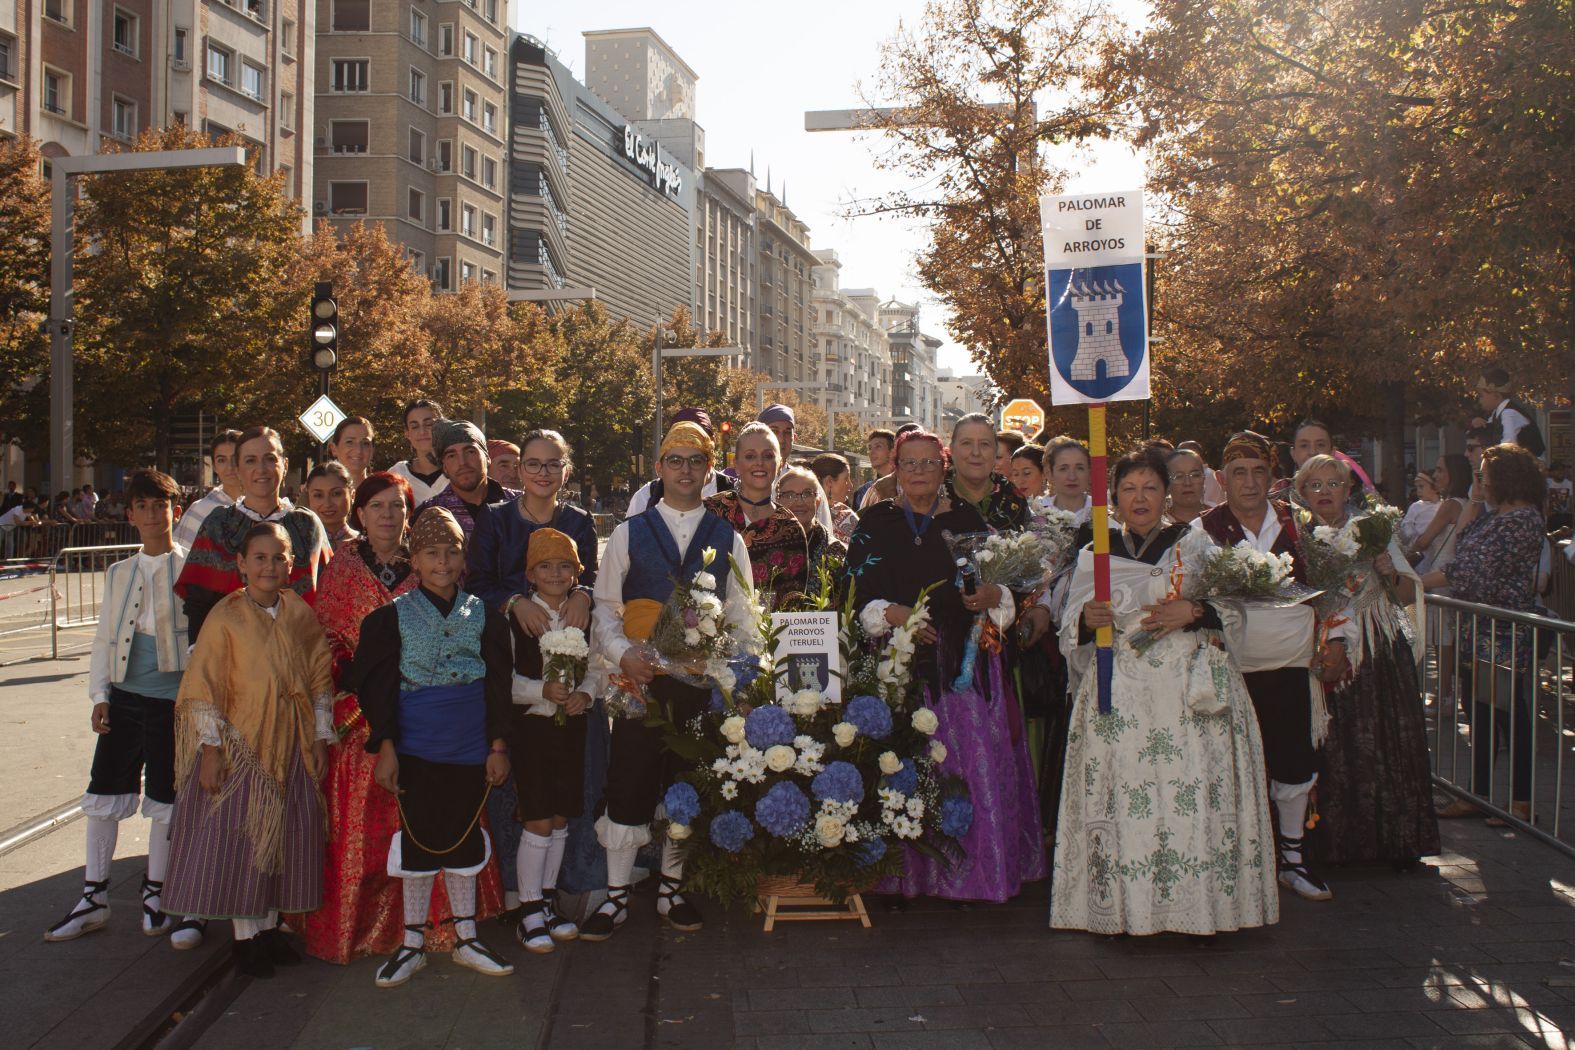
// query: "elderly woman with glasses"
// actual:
[[1187, 476], [799, 491], [1375, 793], [781, 549], [897, 551]]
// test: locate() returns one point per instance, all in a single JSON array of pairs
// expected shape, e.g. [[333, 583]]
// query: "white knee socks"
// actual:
[[534, 853], [158, 850], [418, 903], [1290, 804], [549, 875], [101, 835], [462, 902]]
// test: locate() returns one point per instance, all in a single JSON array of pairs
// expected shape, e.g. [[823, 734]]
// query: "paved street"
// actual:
[[1475, 950]]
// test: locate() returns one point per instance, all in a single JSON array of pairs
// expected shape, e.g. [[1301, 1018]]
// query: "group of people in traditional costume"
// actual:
[[321, 722]]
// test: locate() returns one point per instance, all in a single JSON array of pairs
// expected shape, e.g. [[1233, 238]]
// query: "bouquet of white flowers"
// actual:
[[565, 657], [1241, 573], [1340, 560]]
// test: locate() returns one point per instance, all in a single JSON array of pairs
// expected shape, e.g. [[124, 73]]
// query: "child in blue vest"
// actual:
[[644, 556], [433, 671], [139, 652]]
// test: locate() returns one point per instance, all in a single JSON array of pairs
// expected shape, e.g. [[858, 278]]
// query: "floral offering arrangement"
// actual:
[[1340, 560], [690, 641], [814, 790], [565, 656]]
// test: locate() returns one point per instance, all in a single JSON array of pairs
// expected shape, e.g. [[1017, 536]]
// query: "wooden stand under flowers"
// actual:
[[783, 898]]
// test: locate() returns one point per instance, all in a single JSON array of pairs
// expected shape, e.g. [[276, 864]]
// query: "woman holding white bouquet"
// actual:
[[1164, 822], [899, 550], [1375, 795]]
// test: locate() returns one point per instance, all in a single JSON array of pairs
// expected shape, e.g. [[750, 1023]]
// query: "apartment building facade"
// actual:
[[784, 264], [78, 75], [849, 343], [914, 393], [725, 256], [412, 114]]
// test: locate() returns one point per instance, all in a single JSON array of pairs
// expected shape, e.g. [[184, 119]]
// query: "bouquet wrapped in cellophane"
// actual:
[[565, 657]]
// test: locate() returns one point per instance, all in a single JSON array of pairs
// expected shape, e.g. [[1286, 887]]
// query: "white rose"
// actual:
[[983, 556], [829, 830], [805, 702], [780, 758], [729, 790], [924, 721], [707, 628], [733, 729], [843, 733], [889, 762], [937, 752], [705, 581], [678, 832]]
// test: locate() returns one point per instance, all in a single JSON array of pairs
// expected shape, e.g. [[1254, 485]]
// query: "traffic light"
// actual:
[[727, 434], [324, 355]]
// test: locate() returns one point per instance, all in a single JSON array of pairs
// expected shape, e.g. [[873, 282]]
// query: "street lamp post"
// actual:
[[62, 200], [660, 353]]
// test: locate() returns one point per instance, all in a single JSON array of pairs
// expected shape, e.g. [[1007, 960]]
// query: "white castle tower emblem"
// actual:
[[1098, 306]]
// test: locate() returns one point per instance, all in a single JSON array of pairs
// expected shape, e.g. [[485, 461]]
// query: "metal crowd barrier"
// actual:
[[41, 543], [1561, 584], [1502, 716], [74, 577]]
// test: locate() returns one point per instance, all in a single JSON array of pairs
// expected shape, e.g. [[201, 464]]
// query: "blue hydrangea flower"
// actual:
[[769, 726], [783, 809], [869, 851], [840, 782], [718, 702], [746, 667], [682, 802], [730, 830], [956, 816], [870, 715], [906, 779]]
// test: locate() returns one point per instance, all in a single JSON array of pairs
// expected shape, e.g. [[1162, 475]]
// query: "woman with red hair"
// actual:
[[361, 911]]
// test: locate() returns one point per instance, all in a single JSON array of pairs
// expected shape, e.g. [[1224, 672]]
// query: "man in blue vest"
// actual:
[[644, 556]]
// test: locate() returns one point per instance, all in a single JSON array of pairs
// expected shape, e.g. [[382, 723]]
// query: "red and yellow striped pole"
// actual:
[[1099, 521]]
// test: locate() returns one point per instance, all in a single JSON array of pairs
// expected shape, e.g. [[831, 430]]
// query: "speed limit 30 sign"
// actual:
[[322, 418]]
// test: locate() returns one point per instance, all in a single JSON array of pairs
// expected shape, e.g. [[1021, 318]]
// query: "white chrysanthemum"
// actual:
[[705, 581], [924, 721], [691, 636], [729, 790], [916, 808], [891, 798]]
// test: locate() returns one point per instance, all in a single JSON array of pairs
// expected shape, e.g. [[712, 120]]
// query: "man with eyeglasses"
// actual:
[[715, 480], [1275, 651], [423, 469], [461, 448], [645, 555]]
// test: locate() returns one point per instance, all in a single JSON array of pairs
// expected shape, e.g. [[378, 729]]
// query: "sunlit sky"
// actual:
[[760, 67]]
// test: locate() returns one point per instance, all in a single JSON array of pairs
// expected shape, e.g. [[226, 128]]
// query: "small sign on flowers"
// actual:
[[808, 652]]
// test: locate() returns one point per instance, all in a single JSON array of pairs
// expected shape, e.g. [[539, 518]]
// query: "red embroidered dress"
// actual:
[[780, 551], [362, 909]]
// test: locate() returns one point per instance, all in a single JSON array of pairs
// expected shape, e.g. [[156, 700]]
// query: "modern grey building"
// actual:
[[914, 394], [593, 200]]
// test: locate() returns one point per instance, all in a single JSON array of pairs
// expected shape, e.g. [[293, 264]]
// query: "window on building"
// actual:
[[416, 207], [418, 28], [418, 87], [124, 112], [468, 106], [287, 37], [491, 10], [350, 136], [347, 198], [57, 91], [467, 272], [7, 57], [351, 16], [287, 176], [445, 155], [489, 64], [180, 117], [489, 116], [254, 80], [441, 274], [446, 97], [418, 147], [287, 111], [467, 220], [489, 173], [220, 62], [125, 32], [56, 10], [489, 230], [446, 39], [445, 214], [418, 260], [350, 74], [489, 277], [179, 54], [258, 9], [468, 160], [472, 49]]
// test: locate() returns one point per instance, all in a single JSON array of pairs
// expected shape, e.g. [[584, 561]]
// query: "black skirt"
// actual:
[[549, 765], [439, 815]]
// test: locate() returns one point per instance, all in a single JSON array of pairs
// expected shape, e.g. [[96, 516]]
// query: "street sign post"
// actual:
[[322, 418], [1094, 295], [1024, 416]]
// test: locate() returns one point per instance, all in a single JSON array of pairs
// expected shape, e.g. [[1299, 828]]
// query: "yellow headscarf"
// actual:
[[689, 435]]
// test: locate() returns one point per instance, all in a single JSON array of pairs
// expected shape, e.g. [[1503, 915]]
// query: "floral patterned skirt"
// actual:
[[1164, 822]]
